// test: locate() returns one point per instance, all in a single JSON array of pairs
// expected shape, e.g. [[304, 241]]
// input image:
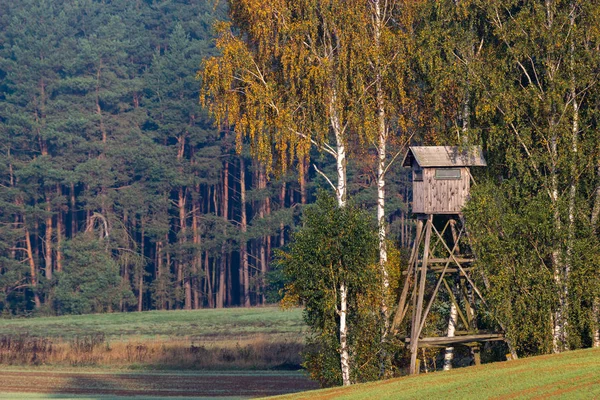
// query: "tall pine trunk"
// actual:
[[262, 184], [59, 234], [182, 276], [48, 239], [281, 207], [208, 280], [140, 282], [73, 211], [221, 295], [160, 301], [243, 228], [303, 178], [32, 266], [197, 260], [167, 269]]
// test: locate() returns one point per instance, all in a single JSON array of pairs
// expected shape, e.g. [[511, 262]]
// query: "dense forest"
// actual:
[[155, 158], [519, 78], [117, 191]]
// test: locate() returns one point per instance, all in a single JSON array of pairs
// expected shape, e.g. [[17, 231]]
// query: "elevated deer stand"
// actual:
[[441, 184]]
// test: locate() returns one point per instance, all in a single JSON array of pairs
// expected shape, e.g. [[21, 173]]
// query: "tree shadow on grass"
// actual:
[[213, 384]]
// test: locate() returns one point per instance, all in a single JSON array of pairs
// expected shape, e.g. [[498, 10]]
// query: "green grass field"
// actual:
[[224, 324], [571, 375]]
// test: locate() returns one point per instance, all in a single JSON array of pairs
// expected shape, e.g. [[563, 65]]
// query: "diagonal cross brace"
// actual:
[[437, 286], [460, 267], [403, 304]]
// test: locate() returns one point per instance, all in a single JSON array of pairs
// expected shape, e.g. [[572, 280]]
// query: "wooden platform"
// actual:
[[462, 339], [461, 260], [450, 270]]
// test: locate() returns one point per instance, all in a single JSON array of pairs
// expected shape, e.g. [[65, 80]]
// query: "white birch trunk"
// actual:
[[596, 206], [341, 198], [340, 155], [596, 319], [562, 271], [378, 12], [341, 172], [557, 316], [449, 355], [344, 356], [572, 192], [594, 221], [381, 152]]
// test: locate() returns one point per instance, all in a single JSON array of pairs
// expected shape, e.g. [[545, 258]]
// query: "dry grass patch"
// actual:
[[259, 352]]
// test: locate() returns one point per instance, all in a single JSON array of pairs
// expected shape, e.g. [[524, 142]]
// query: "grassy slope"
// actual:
[[232, 323], [574, 374]]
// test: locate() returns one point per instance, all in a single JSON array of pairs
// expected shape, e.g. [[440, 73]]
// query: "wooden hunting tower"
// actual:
[[441, 177], [441, 185]]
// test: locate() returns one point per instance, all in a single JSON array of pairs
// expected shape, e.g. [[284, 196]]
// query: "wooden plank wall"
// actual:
[[419, 195], [433, 196]]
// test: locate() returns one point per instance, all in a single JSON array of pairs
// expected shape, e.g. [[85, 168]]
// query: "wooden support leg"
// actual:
[[476, 355], [467, 292], [409, 281], [417, 311]]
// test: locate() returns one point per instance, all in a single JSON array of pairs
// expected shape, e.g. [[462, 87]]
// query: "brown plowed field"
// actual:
[[210, 384]]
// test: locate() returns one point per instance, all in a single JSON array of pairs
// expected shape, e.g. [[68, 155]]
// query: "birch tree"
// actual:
[[535, 98], [387, 105], [338, 244], [542, 43], [452, 39], [289, 84]]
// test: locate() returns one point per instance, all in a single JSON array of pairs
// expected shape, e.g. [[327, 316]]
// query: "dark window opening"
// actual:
[[418, 175], [447, 173]]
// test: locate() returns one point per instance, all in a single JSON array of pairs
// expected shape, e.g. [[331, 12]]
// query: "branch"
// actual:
[[325, 147], [524, 147], [402, 149], [537, 79], [471, 176], [325, 176], [524, 71], [17, 249]]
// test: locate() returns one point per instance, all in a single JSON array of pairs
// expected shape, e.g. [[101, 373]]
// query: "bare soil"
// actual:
[[211, 384]]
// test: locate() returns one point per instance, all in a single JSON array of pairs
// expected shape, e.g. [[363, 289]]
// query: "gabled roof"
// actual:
[[444, 156]]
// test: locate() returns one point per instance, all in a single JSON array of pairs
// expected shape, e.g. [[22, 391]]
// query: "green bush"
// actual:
[[334, 245], [90, 280]]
